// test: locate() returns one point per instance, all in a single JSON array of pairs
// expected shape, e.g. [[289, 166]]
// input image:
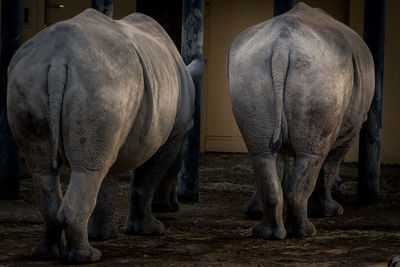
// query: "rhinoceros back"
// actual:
[[327, 86], [124, 76]]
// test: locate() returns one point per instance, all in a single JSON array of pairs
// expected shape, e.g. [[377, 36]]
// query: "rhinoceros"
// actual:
[[394, 262], [301, 84], [100, 96]]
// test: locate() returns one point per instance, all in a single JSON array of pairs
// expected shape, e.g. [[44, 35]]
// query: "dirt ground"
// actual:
[[214, 231]]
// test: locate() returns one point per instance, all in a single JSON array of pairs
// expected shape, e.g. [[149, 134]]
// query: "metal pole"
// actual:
[[104, 6], [192, 48], [282, 6], [370, 135], [11, 36]]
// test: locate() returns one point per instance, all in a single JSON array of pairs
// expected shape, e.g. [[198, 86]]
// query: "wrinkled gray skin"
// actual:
[[300, 84], [253, 209], [102, 97]]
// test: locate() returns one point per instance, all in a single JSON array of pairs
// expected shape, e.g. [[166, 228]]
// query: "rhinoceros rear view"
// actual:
[[302, 84], [102, 97]]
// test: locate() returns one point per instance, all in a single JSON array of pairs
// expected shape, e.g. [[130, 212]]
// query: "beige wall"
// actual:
[[224, 20], [390, 150], [34, 19], [391, 91]]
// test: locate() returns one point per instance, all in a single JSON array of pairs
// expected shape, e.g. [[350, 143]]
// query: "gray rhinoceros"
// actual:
[[102, 97], [301, 84], [394, 262]]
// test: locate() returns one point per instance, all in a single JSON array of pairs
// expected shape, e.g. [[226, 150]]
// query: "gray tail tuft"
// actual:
[[57, 77]]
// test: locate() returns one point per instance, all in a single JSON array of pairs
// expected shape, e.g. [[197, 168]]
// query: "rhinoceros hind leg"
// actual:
[[74, 213], [302, 183], [165, 198], [143, 186], [101, 224], [49, 197], [145, 226], [322, 208], [140, 220], [269, 191], [321, 203], [253, 208], [43, 251]]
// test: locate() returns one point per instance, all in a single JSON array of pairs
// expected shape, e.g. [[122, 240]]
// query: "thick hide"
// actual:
[[300, 84], [102, 97]]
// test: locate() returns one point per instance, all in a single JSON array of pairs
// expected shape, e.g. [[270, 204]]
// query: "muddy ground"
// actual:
[[215, 232]]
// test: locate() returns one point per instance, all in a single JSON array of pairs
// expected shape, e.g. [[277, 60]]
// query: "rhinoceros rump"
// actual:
[[300, 83], [102, 97]]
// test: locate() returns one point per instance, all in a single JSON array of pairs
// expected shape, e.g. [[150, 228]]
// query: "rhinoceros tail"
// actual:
[[56, 82], [279, 68]]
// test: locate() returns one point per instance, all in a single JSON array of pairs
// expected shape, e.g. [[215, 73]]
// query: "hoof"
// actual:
[[253, 214], [45, 252], [102, 232], [144, 227], [164, 207], [300, 230], [267, 232], [253, 209], [81, 255], [324, 209]]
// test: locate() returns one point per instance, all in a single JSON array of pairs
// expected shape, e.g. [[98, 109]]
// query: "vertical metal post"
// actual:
[[192, 48], [282, 6], [370, 135], [104, 6], [11, 36]]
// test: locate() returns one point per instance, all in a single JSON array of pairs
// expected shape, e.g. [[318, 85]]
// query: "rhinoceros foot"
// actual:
[[253, 214], [149, 226], [300, 229], [267, 232], [81, 255], [164, 206], [44, 251], [253, 209], [102, 232], [324, 209]]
